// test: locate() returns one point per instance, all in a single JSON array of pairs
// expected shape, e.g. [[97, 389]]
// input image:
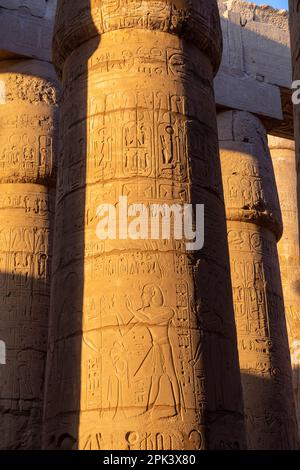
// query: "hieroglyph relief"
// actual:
[[27, 190], [145, 321]]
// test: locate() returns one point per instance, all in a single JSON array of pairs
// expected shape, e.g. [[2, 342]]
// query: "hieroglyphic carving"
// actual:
[[284, 163], [27, 148], [198, 21], [140, 346], [294, 22], [254, 226]]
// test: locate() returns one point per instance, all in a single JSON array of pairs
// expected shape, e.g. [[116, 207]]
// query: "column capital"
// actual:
[[193, 20], [280, 143], [28, 120]]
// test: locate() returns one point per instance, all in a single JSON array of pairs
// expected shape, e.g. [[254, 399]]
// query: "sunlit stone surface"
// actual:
[[142, 351], [254, 226], [284, 163], [28, 119]]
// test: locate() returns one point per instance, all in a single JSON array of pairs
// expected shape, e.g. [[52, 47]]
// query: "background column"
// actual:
[[254, 227], [28, 107], [284, 163], [294, 21]]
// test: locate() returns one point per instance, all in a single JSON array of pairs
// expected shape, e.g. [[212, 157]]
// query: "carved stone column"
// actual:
[[142, 351], [294, 21], [28, 107], [254, 226], [284, 163]]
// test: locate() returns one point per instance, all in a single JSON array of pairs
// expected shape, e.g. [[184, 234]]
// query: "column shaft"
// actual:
[[284, 163], [254, 226], [27, 186], [142, 345]]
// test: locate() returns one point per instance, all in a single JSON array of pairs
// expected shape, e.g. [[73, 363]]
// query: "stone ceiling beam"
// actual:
[[26, 28], [255, 73]]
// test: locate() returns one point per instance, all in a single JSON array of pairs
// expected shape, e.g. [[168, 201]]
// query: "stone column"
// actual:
[[284, 163], [142, 351], [294, 21], [28, 106], [254, 226]]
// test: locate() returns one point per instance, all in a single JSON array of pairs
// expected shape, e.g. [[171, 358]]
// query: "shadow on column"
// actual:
[[211, 275], [213, 303], [23, 337], [272, 422], [63, 375], [28, 125]]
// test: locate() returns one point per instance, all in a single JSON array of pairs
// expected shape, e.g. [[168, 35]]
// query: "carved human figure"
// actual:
[[157, 318]]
